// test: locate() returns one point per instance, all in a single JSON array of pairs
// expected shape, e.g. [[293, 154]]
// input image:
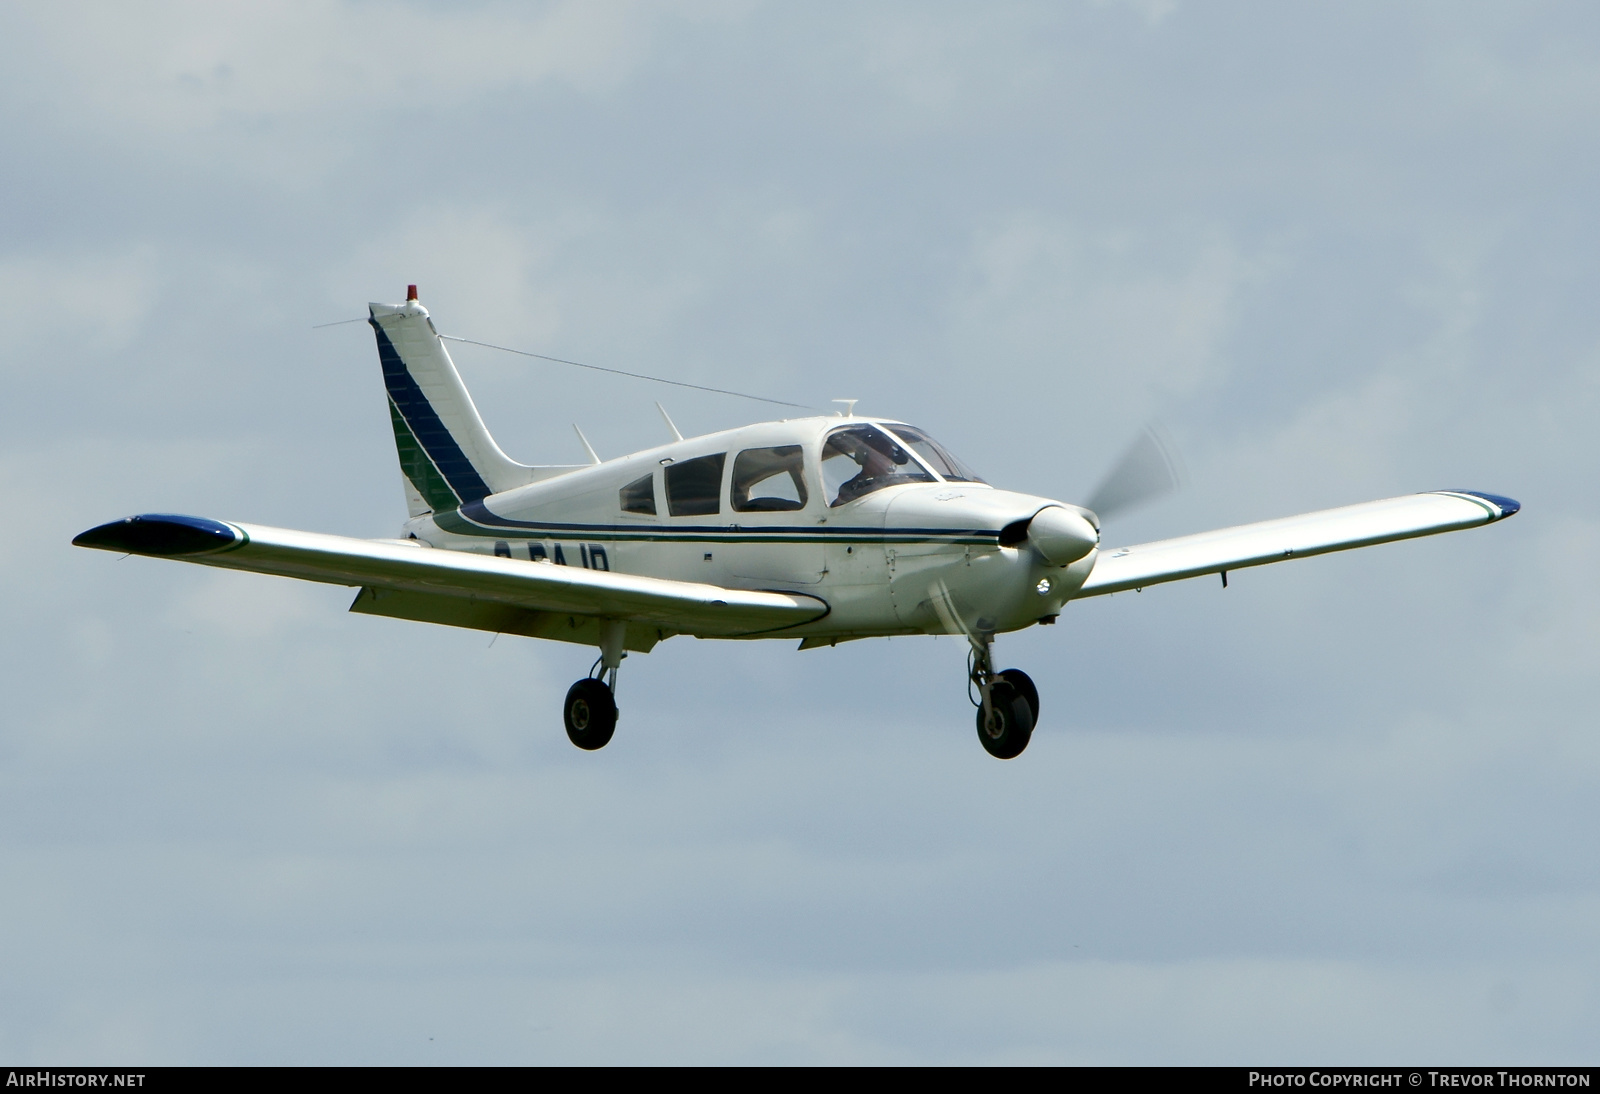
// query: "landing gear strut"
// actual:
[[590, 712], [1008, 703]]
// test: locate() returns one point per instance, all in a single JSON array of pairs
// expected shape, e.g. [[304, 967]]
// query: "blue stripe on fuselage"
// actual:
[[431, 433], [479, 513]]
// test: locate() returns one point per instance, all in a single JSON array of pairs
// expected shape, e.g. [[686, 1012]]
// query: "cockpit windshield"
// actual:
[[933, 454], [859, 459]]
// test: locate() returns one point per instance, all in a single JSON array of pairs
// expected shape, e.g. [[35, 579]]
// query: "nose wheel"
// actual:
[[1024, 685], [1008, 704]]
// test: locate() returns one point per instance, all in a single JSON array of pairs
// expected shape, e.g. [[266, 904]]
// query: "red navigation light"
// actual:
[[411, 293]]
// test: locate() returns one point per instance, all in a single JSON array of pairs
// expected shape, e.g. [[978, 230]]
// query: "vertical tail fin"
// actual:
[[446, 453]]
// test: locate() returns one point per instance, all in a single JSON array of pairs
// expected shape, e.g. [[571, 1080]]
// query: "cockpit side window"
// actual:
[[769, 480], [859, 459], [694, 487], [639, 496], [934, 454]]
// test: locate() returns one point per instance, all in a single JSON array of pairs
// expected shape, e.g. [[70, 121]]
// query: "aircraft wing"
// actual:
[[1293, 537], [413, 581]]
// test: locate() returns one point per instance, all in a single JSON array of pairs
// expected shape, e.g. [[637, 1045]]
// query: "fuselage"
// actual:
[[867, 514]]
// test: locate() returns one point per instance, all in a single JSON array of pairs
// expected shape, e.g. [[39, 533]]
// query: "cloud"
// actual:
[[192, 66], [1153, 12], [64, 303], [1115, 324]]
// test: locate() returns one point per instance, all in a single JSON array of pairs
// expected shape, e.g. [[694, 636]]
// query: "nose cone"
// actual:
[[1061, 536]]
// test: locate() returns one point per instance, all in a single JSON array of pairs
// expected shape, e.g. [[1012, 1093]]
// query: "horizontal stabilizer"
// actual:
[[678, 607], [1293, 537]]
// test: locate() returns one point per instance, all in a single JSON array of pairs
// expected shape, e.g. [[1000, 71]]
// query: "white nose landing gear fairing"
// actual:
[[821, 529]]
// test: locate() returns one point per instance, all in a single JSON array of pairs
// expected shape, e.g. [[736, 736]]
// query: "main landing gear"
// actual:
[[1008, 703], [590, 712]]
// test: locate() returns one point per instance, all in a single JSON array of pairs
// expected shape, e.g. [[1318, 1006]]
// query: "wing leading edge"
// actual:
[[411, 581], [1293, 537]]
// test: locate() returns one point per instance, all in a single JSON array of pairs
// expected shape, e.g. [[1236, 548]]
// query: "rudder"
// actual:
[[446, 453]]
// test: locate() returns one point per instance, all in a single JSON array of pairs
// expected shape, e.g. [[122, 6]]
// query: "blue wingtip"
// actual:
[[1507, 506], [161, 534]]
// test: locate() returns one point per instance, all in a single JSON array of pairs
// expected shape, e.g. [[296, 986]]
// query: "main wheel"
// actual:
[[1020, 680], [590, 714], [1009, 725]]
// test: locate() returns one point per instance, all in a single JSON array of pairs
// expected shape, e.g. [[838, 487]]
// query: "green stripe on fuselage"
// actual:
[[416, 466]]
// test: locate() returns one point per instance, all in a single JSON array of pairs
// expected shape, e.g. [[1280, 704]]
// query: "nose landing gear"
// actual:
[[590, 711], [1008, 703], [1024, 685]]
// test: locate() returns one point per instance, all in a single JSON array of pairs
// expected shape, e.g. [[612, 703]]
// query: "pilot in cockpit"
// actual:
[[879, 459]]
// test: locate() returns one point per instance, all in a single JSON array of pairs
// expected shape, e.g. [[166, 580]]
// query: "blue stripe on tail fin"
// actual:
[[446, 454], [428, 432]]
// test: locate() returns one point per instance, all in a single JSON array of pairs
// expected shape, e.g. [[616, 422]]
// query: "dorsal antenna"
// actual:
[[587, 447], [665, 417]]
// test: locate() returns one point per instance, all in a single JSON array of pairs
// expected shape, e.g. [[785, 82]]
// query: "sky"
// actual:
[[1342, 812]]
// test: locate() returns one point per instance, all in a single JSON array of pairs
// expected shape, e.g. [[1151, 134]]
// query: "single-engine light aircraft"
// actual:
[[819, 529]]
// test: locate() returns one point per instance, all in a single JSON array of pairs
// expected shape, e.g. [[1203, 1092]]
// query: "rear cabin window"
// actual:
[[694, 487], [639, 496], [769, 480]]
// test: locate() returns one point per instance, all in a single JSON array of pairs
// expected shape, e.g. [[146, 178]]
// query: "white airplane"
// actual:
[[821, 529]]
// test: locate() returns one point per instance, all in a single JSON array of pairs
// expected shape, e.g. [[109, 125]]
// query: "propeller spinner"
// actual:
[[1062, 535]]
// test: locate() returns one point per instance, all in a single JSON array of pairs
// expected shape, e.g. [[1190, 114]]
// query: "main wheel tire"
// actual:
[[1024, 685], [590, 713], [1009, 726]]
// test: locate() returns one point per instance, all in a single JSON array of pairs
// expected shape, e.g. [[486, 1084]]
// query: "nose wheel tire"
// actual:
[[590, 714], [1006, 727], [1024, 685]]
